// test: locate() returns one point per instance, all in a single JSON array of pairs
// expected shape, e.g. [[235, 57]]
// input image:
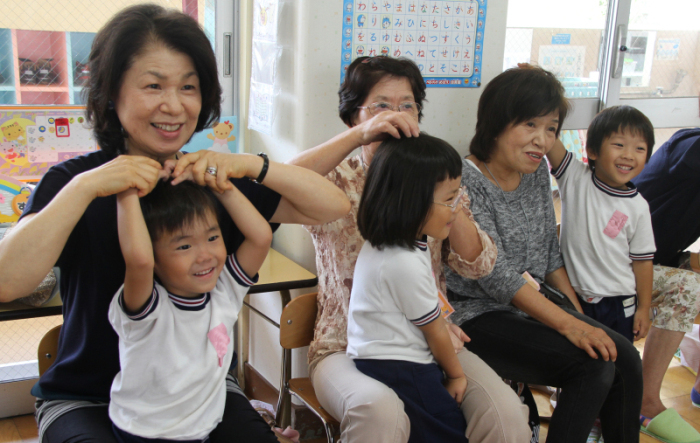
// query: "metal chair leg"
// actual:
[[330, 431]]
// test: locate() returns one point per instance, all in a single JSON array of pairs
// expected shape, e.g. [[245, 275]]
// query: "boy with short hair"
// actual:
[[176, 328], [607, 241]]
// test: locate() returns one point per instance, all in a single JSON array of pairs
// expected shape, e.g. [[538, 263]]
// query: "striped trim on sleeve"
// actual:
[[148, 307], [238, 273], [557, 173], [646, 256], [427, 318]]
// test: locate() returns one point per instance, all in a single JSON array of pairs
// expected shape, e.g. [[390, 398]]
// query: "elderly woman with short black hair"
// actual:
[[515, 329]]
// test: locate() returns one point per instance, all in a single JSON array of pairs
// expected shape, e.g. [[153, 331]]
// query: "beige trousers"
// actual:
[[369, 411]]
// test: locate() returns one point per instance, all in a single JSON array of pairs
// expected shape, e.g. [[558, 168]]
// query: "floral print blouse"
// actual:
[[338, 244]]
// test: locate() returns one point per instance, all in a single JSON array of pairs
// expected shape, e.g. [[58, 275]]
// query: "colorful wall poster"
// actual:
[[34, 139], [221, 137], [13, 196], [562, 60], [667, 48], [444, 38]]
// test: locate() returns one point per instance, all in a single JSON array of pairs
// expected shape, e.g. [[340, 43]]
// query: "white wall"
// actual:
[[307, 115]]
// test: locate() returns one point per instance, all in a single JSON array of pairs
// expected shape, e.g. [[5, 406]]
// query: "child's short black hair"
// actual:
[[169, 208], [618, 119], [401, 180]]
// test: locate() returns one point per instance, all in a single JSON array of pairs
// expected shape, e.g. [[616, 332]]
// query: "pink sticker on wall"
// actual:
[[220, 339], [615, 224]]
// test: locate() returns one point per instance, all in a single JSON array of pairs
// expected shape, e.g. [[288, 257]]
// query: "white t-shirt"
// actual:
[[174, 356], [393, 293], [603, 230]]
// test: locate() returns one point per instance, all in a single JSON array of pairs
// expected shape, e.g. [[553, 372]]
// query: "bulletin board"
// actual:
[[36, 138], [444, 38]]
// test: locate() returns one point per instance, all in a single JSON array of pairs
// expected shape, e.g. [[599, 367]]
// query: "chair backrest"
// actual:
[[48, 347], [297, 321]]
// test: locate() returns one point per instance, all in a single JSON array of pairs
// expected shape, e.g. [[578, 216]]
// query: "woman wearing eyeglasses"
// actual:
[[382, 97]]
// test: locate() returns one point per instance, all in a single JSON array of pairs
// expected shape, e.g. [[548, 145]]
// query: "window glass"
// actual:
[[562, 36], [663, 55], [44, 45]]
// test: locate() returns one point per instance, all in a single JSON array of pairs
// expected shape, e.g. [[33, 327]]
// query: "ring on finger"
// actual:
[[211, 171]]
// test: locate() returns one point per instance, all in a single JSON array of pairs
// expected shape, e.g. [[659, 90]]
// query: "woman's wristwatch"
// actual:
[[263, 172]]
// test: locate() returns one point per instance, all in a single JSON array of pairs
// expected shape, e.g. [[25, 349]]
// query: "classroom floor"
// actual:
[[675, 393]]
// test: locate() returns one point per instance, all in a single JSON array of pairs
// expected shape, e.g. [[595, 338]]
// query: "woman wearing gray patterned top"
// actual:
[[519, 333]]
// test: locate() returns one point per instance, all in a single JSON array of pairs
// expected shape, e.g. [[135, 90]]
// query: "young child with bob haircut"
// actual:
[[607, 241], [396, 333], [176, 328]]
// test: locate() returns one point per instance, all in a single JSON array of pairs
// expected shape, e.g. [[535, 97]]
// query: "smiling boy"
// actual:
[[607, 240], [174, 315]]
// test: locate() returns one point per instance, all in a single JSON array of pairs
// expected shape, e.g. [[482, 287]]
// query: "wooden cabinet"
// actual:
[[39, 67]]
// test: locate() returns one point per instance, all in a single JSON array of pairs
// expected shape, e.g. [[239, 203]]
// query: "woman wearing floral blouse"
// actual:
[[382, 97]]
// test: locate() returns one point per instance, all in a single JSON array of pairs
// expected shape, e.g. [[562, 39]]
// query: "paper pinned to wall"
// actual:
[[261, 111], [266, 52]]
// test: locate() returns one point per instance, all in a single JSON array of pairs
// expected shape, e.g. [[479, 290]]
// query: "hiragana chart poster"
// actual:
[[444, 38]]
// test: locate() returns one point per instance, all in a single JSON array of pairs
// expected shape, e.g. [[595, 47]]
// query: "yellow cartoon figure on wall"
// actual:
[[222, 135], [14, 132], [13, 145], [13, 197]]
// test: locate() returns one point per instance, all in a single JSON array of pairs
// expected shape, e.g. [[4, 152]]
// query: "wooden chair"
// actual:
[[48, 346], [296, 331]]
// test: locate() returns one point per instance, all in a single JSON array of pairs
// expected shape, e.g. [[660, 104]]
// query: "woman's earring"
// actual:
[[110, 105]]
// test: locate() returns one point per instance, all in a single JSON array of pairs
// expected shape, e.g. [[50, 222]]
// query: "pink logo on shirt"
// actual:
[[615, 225], [220, 339]]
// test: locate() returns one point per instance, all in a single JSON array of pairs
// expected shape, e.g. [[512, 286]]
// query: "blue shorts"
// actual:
[[434, 415], [617, 313]]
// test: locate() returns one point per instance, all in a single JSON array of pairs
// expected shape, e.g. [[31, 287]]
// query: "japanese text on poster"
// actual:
[[444, 38]]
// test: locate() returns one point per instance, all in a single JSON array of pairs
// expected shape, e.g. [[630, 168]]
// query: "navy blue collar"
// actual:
[[614, 192], [190, 304]]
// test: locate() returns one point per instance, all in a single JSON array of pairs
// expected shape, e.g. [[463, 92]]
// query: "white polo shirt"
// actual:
[[393, 292], [603, 230], [174, 356]]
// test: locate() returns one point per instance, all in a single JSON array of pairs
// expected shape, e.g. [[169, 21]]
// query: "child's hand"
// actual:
[[641, 324], [169, 167], [456, 387]]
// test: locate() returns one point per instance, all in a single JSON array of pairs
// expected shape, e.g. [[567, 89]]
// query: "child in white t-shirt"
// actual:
[[396, 333], [176, 329], [606, 237]]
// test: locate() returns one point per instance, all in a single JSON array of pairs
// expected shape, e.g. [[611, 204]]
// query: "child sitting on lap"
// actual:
[[176, 329], [396, 333], [606, 237]]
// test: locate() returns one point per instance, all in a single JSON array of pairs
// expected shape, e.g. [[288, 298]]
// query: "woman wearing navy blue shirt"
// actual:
[[153, 84]]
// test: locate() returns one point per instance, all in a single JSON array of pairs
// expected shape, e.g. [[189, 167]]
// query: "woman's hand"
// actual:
[[457, 336], [122, 173], [193, 166], [590, 339], [578, 332], [456, 387], [388, 123]]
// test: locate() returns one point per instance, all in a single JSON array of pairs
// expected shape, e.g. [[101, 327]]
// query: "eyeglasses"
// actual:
[[455, 203], [375, 108]]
